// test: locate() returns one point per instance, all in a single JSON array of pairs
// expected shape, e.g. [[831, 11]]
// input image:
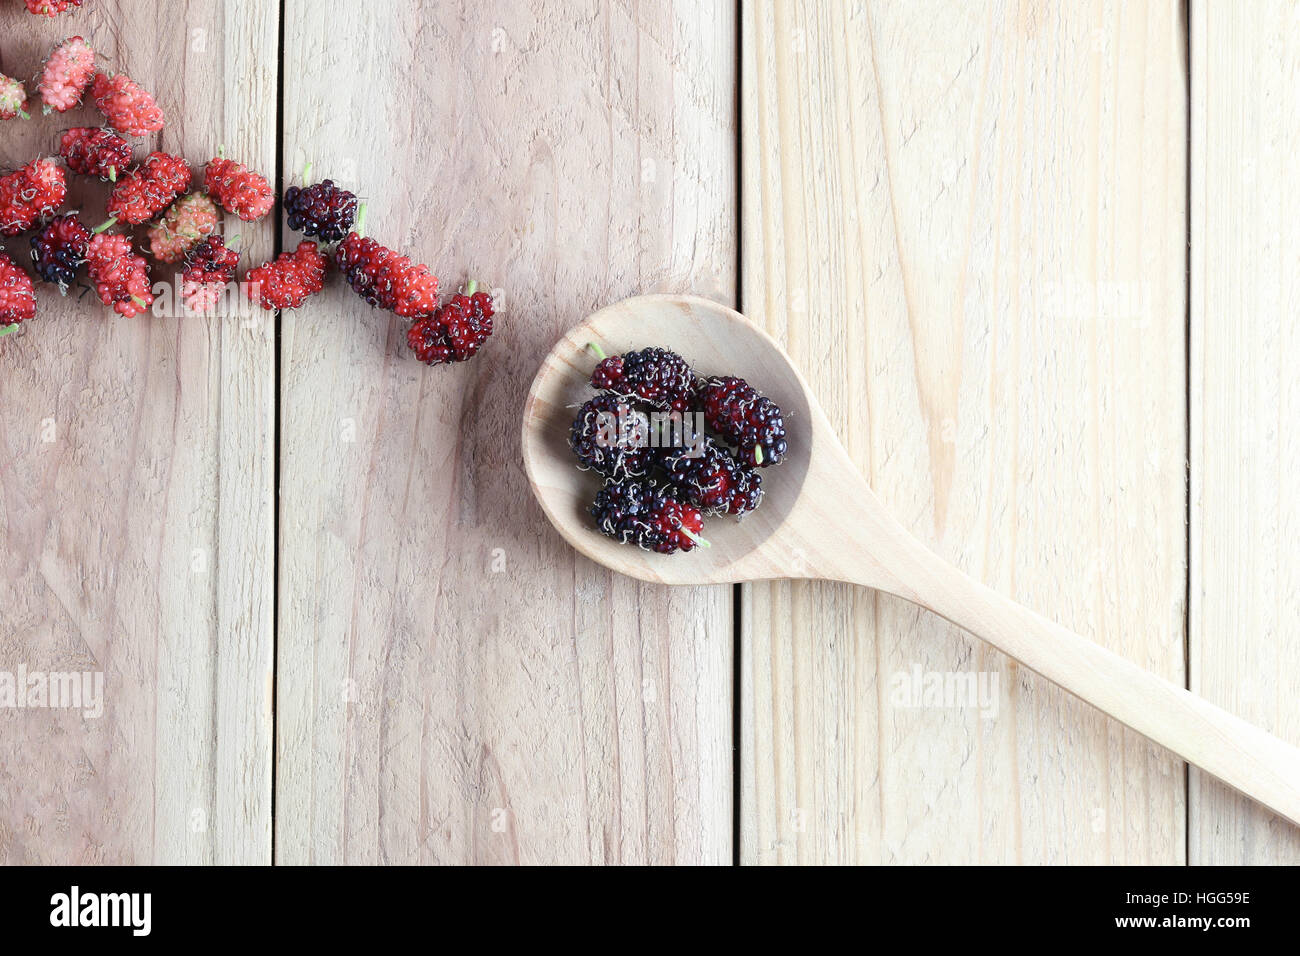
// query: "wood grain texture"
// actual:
[[455, 683], [969, 220], [1245, 294], [136, 463]]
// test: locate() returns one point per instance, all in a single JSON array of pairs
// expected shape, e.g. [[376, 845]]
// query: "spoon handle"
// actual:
[[1240, 754]]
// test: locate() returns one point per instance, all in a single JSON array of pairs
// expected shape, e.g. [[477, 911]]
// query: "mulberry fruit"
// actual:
[[128, 107], [13, 98], [120, 276], [323, 211], [51, 8], [149, 188], [33, 192], [706, 475], [59, 250], [744, 418], [209, 269], [385, 279], [611, 436], [67, 73], [455, 332], [290, 279], [95, 152], [17, 295], [238, 190], [189, 220], [656, 376], [638, 512]]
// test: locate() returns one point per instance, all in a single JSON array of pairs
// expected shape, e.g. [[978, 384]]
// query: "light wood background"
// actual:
[[136, 493], [970, 221], [1245, 298]]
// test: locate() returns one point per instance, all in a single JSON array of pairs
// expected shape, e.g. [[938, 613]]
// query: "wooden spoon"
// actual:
[[820, 519]]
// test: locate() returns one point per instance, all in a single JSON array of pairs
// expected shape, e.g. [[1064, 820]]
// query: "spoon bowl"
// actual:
[[820, 519], [714, 332]]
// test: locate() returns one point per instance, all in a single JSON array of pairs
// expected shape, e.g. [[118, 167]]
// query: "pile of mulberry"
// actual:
[[695, 451]]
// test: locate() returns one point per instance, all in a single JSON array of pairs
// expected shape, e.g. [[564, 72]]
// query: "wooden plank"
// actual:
[[968, 220], [136, 463], [455, 685], [1245, 584]]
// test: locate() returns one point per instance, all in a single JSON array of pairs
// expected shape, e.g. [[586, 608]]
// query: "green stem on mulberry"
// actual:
[[758, 454], [306, 173], [694, 537], [6, 329], [597, 351], [471, 286], [104, 226]]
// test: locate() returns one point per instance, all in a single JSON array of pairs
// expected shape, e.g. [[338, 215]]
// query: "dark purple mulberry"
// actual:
[[708, 476], [59, 250], [658, 377], [638, 512], [322, 210], [612, 436]]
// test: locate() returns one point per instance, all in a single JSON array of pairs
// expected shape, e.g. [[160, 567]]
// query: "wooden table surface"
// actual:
[[1039, 258]]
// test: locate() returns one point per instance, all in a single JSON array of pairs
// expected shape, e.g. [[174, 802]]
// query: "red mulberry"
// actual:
[[13, 98], [120, 276], [33, 192], [383, 278], [128, 107], [67, 73], [290, 279], [149, 188], [238, 190], [17, 295], [708, 476], [95, 152], [189, 220], [455, 332]]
